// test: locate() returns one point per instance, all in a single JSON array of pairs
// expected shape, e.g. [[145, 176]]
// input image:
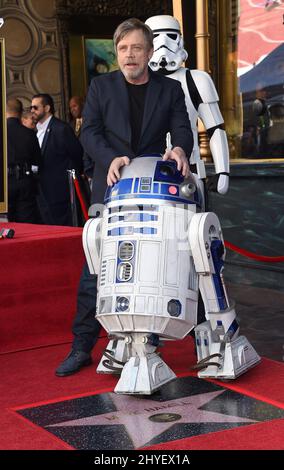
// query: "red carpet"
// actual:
[[38, 296], [28, 379], [40, 270]]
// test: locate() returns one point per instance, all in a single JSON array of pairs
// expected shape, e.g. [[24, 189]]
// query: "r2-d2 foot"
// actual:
[[142, 369], [145, 371], [223, 355]]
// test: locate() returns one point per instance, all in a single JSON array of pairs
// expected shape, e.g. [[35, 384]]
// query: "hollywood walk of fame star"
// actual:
[[134, 414]]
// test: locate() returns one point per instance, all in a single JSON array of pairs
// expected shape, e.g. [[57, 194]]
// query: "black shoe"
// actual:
[[73, 363]]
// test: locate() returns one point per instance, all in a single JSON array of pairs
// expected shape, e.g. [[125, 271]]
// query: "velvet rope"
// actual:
[[81, 198], [249, 254]]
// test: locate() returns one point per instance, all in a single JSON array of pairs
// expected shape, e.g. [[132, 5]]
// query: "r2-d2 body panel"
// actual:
[[147, 282]]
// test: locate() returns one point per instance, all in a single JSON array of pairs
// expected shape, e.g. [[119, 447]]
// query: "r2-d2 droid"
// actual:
[[153, 248]]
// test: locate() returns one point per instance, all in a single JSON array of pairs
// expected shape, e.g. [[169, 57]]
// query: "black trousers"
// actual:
[[85, 326], [54, 213], [22, 205]]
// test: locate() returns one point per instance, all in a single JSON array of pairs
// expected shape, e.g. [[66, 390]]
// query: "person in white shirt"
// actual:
[[60, 150]]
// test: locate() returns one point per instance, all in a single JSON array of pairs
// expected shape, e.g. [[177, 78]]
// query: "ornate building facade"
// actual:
[[37, 36]]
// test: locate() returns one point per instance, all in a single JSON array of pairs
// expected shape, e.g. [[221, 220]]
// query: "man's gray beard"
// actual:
[[132, 75]]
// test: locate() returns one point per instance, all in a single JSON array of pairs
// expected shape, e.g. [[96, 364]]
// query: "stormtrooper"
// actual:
[[154, 247], [200, 96]]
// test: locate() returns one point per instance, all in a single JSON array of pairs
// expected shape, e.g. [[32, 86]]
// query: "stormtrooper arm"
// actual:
[[91, 244], [209, 113]]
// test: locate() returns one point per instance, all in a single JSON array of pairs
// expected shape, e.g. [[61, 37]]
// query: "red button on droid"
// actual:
[[172, 190]]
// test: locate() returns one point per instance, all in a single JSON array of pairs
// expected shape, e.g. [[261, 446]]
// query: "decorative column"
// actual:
[[228, 15], [177, 12], [63, 36], [202, 45]]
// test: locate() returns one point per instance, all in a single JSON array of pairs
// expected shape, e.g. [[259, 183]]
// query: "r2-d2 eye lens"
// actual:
[[122, 304]]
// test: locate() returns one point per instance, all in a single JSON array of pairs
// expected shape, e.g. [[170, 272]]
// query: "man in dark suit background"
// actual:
[[60, 151], [76, 105], [23, 154], [127, 113]]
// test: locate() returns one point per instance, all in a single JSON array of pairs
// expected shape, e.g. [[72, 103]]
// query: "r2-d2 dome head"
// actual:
[[169, 53]]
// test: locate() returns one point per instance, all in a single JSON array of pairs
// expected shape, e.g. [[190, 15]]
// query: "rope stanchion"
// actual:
[[249, 254], [81, 198]]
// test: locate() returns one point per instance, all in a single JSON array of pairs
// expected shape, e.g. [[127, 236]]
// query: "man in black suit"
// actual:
[[76, 105], [127, 113], [125, 117], [60, 151], [23, 154]]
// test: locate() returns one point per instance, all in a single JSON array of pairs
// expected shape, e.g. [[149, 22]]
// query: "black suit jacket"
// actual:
[[61, 150], [23, 147], [106, 130]]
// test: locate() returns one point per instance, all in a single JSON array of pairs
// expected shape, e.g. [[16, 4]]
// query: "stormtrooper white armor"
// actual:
[[200, 95], [153, 248]]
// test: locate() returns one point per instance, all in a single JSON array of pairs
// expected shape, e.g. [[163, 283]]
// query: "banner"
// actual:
[[3, 133]]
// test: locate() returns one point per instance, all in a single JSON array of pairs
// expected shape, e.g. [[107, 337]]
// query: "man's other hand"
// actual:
[[113, 172], [179, 156]]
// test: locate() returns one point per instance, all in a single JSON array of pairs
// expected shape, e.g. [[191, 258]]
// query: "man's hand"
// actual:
[[113, 172], [179, 156]]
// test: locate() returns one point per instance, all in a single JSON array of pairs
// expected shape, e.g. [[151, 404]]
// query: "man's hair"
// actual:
[[14, 106], [78, 99], [46, 99], [130, 25]]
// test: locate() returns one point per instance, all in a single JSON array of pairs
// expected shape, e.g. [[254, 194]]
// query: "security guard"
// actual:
[[23, 153]]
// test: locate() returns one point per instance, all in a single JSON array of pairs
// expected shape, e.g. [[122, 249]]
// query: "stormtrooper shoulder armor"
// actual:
[[205, 86]]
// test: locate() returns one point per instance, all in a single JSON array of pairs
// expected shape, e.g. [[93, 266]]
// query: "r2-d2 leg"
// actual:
[[221, 352], [114, 357]]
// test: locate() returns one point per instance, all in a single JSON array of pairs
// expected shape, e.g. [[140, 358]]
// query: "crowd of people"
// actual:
[[41, 148]]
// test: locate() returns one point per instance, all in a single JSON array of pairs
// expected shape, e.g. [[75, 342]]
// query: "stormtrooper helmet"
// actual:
[[169, 53]]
